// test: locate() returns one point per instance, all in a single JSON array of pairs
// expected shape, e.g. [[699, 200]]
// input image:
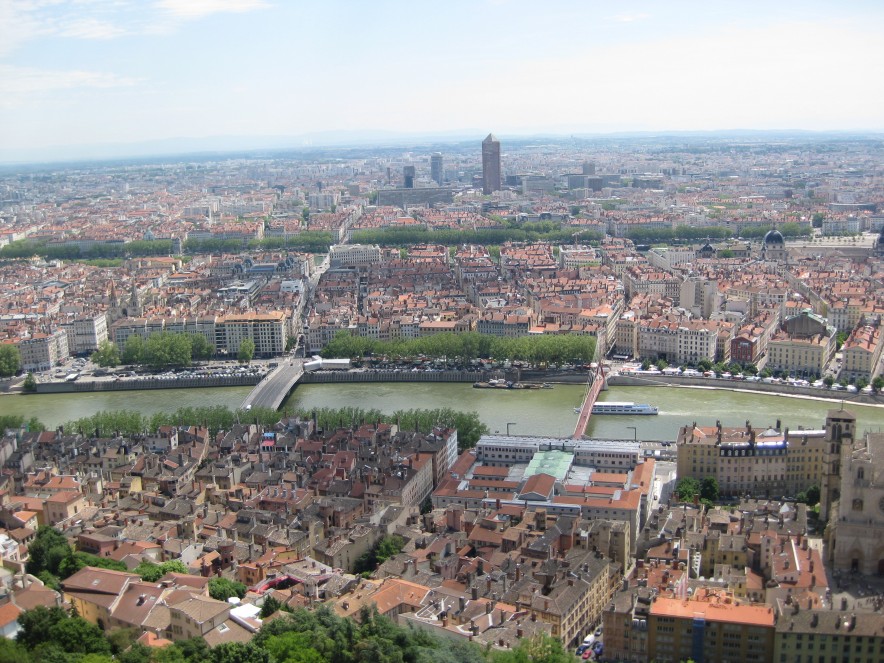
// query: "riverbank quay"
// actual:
[[368, 375], [722, 384]]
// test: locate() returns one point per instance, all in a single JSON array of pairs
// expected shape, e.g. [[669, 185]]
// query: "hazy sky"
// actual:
[[83, 72]]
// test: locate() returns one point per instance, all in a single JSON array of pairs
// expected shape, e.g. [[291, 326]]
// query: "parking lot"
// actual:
[[83, 369]]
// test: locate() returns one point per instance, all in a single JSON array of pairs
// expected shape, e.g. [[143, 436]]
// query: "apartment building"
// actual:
[[804, 345], [268, 331], [570, 603], [709, 626], [354, 255], [41, 352], [767, 462], [861, 353], [86, 333], [804, 634]]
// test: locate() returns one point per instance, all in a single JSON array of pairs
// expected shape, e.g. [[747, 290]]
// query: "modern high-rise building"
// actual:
[[436, 167], [490, 165], [408, 177]]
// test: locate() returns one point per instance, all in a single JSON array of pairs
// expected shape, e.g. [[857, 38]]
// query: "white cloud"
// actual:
[[22, 21], [629, 18], [19, 24], [91, 28], [191, 9], [19, 81]]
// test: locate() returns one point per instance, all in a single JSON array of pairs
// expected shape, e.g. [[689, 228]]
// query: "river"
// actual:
[[528, 412]]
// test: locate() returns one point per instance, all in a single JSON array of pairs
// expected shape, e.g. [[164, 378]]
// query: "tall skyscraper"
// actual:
[[490, 165], [436, 167], [408, 177]]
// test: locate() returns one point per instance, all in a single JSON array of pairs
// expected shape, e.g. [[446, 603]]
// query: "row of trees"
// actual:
[[13, 421], [158, 350], [217, 417], [696, 234], [469, 427], [422, 235], [28, 249], [311, 241], [539, 348], [163, 349], [133, 423]]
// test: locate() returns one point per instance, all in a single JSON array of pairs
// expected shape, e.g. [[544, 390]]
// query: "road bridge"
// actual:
[[272, 390], [594, 386]]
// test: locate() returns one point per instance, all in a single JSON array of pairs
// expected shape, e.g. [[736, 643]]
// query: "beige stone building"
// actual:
[[804, 345], [710, 627], [862, 353], [570, 603], [826, 635], [195, 615], [760, 462], [43, 351]]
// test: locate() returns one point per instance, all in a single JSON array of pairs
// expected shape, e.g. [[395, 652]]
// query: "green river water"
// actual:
[[529, 412]]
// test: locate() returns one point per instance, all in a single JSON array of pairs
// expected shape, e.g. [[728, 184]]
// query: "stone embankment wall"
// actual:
[[326, 377], [82, 385]]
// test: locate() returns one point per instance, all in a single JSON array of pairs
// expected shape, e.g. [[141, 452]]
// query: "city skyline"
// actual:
[[74, 75]]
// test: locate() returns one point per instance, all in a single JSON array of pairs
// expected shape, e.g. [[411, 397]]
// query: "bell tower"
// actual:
[[840, 429]]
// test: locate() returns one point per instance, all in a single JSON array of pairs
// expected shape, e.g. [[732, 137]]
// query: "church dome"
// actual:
[[774, 237]]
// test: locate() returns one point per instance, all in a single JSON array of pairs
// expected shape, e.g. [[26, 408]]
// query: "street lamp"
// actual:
[[634, 433], [508, 424]]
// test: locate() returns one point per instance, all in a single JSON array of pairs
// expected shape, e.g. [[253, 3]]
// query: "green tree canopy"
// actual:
[[107, 354], [200, 348], [239, 652], [686, 489], [75, 561], [539, 649], [151, 572], [246, 351], [76, 635], [10, 360], [36, 624], [385, 548], [222, 589], [709, 489], [47, 551], [133, 350]]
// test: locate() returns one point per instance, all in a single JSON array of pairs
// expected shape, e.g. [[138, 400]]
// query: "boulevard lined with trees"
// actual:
[[540, 348], [527, 232]]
